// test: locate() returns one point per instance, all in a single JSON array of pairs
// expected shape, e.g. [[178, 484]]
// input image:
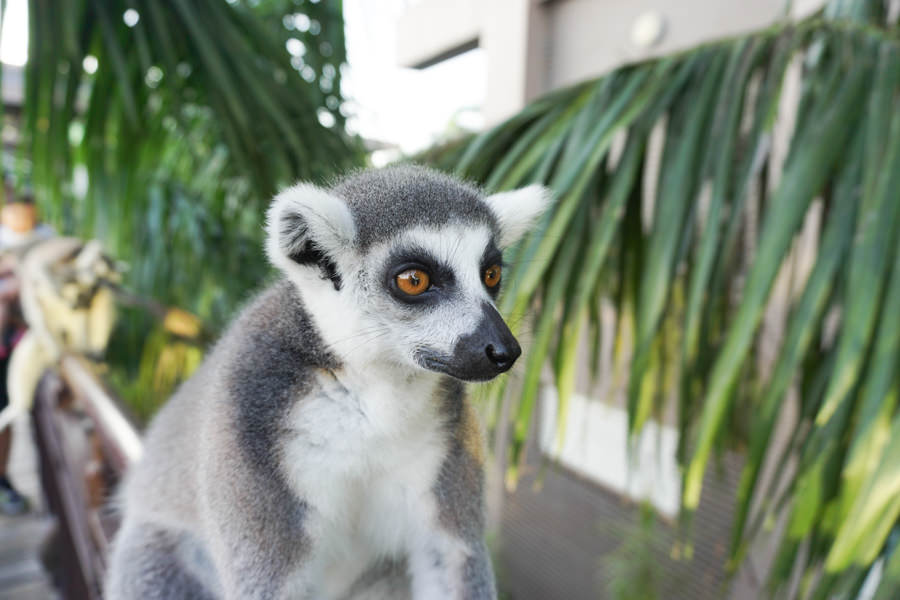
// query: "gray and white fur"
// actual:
[[324, 449]]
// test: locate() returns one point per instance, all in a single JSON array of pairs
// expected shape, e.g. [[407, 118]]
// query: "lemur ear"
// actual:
[[307, 226], [516, 211]]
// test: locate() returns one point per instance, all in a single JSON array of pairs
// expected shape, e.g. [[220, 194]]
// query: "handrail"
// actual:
[[80, 564], [120, 438], [74, 404], [86, 443]]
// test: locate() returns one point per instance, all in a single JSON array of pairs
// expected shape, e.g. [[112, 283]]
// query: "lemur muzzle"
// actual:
[[488, 351]]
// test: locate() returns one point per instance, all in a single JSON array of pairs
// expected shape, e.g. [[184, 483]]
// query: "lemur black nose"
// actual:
[[503, 355], [490, 349]]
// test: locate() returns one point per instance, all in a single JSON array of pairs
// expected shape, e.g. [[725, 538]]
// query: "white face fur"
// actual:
[[420, 300]]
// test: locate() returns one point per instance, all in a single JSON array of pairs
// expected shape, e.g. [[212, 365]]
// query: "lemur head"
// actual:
[[403, 265]]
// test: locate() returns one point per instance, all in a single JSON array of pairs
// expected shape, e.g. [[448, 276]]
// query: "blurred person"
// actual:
[[19, 229]]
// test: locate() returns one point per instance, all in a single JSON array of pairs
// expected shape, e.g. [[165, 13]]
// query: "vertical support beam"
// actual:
[[81, 578], [514, 37]]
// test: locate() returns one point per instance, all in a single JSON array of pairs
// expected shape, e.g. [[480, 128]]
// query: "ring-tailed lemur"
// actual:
[[68, 306], [324, 449]]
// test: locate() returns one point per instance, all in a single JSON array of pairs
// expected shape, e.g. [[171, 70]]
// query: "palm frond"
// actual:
[[673, 265], [164, 127]]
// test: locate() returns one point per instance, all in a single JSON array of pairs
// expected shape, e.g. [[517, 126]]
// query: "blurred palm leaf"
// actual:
[[673, 265], [164, 127]]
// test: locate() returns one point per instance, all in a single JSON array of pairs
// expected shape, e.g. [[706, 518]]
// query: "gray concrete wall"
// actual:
[[589, 37], [534, 46]]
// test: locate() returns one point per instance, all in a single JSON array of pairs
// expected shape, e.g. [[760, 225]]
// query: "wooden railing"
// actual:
[[85, 442], [85, 445]]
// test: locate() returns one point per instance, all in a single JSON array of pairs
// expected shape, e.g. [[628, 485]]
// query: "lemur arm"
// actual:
[[446, 567]]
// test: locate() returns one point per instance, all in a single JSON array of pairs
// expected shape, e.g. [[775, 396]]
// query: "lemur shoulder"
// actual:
[[325, 448]]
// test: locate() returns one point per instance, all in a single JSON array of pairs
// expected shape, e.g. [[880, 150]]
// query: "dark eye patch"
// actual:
[[310, 254], [492, 256], [441, 276]]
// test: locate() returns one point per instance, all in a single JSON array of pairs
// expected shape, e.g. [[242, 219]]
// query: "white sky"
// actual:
[[14, 35], [405, 107]]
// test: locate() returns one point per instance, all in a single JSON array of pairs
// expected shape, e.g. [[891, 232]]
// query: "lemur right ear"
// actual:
[[517, 210], [308, 227]]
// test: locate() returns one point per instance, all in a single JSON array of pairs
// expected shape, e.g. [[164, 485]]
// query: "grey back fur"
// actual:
[[212, 469]]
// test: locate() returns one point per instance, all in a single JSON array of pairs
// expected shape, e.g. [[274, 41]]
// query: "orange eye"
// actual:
[[413, 282], [492, 276]]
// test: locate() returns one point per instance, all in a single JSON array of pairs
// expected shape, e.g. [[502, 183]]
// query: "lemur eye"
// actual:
[[492, 276], [413, 282]]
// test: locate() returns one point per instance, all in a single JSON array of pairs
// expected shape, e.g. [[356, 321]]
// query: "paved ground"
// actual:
[[21, 575], [576, 540]]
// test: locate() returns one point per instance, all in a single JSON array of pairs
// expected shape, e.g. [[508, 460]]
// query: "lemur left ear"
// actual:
[[308, 227], [517, 211]]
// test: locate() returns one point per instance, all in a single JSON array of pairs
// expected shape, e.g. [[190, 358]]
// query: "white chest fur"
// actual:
[[364, 454]]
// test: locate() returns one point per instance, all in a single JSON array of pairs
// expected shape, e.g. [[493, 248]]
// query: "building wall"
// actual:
[[12, 87], [589, 37], [534, 46]]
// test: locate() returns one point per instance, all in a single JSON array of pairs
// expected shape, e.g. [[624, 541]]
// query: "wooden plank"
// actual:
[[121, 441], [66, 494], [22, 576], [32, 590]]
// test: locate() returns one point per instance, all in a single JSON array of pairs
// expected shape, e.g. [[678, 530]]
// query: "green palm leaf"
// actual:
[[691, 283], [169, 151]]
